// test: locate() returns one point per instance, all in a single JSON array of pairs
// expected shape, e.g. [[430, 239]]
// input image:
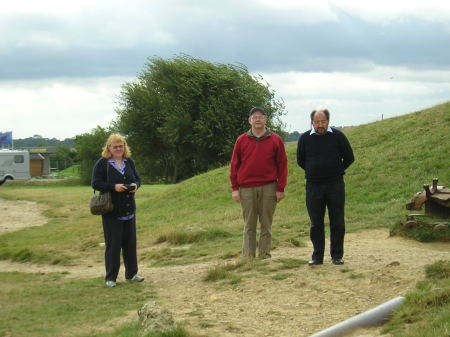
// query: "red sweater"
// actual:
[[257, 162]]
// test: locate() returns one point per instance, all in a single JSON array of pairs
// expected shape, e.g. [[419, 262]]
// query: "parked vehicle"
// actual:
[[14, 164]]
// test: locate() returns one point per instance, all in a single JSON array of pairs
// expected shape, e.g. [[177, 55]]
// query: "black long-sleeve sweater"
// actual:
[[324, 157], [124, 203]]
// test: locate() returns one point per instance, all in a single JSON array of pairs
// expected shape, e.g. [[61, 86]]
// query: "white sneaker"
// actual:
[[110, 284], [136, 278]]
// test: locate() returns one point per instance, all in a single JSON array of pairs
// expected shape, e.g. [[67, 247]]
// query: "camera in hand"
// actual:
[[130, 187]]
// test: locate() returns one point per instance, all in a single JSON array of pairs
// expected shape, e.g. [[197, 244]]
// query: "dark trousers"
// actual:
[[120, 235], [318, 197]]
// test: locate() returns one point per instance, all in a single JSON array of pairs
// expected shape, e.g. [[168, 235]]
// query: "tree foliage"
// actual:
[[182, 115], [63, 157], [89, 148], [292, 137], [39, 141]]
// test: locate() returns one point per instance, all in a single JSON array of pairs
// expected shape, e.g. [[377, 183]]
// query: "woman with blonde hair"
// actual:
[[115, 172]]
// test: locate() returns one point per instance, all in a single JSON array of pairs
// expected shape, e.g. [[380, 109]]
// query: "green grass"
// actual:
[[58, 181], [231, 270], [132, 330], [394, 157], [73, 231], [27, 255], [72, 171], [164, 262], [291, 263], [426, 310], [197, 235], [69, 305], [281, 276], [356, 276], [236, 271], [439, 270], [222, 272]]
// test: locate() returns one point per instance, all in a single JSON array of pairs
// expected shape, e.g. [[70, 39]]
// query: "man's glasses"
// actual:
[[255, 117]]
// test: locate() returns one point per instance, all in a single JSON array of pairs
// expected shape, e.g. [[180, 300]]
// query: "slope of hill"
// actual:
[[394, 157], [187, 230]]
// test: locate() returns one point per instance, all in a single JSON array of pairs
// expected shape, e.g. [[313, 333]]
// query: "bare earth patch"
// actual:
[[377, 268], [19, 214]]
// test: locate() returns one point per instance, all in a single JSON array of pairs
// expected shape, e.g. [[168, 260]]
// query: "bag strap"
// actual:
[[107, 173]]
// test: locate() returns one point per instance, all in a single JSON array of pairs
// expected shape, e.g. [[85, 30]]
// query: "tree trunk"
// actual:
[[175, 173]]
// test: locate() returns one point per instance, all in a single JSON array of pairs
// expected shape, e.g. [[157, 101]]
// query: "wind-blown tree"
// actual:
[[182, 115]]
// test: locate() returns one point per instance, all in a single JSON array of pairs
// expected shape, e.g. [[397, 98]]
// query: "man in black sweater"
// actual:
[[325, 153]]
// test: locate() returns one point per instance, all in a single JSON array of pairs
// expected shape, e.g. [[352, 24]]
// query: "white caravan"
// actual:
[[14, 164]]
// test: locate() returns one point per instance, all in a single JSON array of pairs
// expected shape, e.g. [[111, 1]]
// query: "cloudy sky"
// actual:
[[62, 63]]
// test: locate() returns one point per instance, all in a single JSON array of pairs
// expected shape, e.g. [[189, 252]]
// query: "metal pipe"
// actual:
[[375, 316]]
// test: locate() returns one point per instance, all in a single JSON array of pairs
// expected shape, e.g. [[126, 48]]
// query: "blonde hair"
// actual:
[[115, 138]]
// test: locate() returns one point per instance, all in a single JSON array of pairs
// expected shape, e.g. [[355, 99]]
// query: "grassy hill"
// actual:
[[394, 157]]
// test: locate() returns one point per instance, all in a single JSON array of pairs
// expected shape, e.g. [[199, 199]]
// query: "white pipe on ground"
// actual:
[[372, 317]]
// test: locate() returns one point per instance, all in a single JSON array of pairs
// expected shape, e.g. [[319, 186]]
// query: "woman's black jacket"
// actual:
[[124, 203]]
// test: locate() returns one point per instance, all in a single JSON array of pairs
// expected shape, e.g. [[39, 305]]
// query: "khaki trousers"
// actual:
[[258, 203]]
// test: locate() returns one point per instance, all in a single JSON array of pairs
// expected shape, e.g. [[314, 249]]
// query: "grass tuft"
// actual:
[[176, 332], [28, 255], [281, 276], [222, 272], [132, 330], [173, 262], [184, 237], [423, 232], [426, 310], [296, 242], [356, 276], [229, 255], [439, 270], [228, 271], [291, 263]]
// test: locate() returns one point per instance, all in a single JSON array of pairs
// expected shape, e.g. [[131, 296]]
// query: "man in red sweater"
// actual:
[[258, 175]]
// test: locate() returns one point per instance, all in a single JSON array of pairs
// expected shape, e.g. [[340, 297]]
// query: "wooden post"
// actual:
[[434, 188], [426, 187]]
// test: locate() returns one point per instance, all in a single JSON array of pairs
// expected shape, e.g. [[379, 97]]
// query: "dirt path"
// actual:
[[378, 268]]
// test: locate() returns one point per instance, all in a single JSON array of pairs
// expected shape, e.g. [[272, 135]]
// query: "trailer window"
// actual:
[[19, 159]]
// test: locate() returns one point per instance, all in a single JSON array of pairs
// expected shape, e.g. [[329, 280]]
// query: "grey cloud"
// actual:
[[250, 35]]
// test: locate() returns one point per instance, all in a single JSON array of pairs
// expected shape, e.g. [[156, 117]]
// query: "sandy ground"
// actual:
[[16, 215], [377, 268]]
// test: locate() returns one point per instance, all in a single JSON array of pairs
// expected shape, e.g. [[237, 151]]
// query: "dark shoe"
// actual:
[[314, 262], [337, 261]]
